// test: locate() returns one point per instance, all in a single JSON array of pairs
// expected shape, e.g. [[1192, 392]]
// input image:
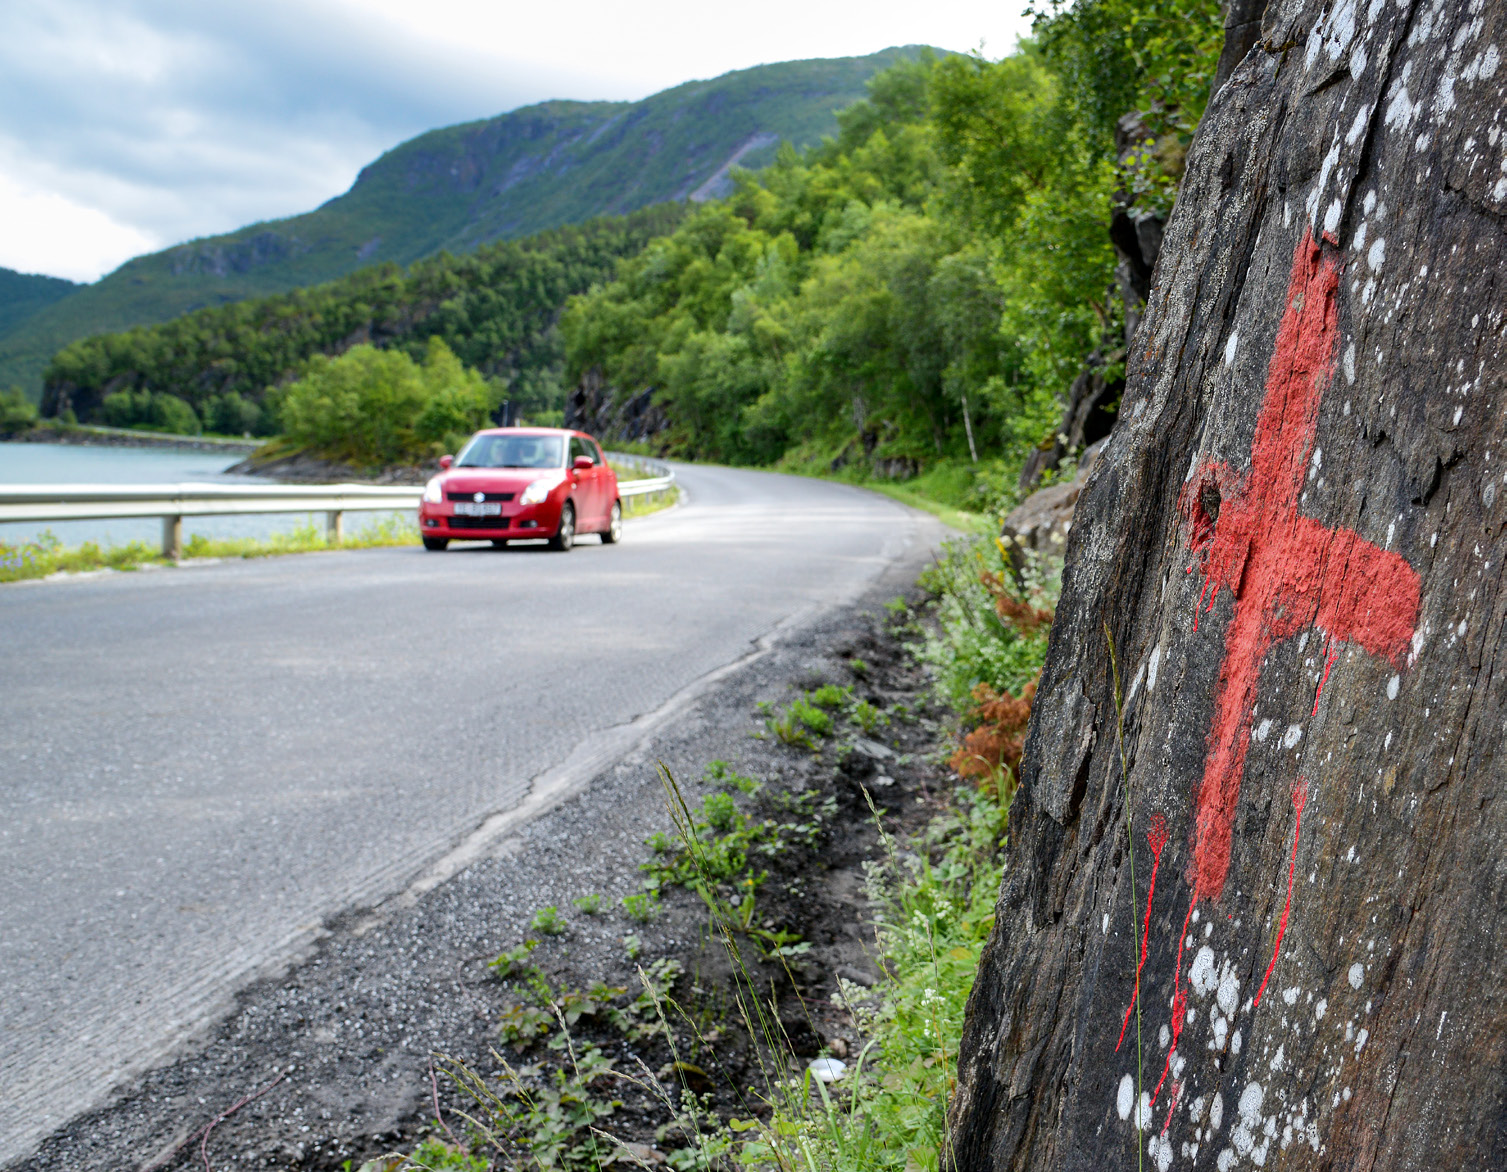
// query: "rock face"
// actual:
[[1294, 539]]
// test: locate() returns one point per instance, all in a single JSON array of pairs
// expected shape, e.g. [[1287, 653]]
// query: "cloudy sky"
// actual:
[[130, 125]]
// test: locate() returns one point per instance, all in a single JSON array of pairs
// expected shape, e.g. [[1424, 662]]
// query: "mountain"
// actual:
[[23, 295], [538, 167]]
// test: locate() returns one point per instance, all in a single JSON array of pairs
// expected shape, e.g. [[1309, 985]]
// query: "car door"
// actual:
[[607, 479], [588, 491]]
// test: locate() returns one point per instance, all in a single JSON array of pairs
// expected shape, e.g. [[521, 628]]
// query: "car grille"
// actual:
[[477, 522], [471, 496]]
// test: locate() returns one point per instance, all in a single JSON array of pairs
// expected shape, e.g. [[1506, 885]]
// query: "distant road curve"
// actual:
[[203, 764]]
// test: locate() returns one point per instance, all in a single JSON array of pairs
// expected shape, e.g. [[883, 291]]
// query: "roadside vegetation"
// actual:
[[46, 555], [744, 1049]]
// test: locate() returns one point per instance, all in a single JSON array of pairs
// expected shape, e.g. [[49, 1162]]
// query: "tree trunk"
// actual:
[[1294, 540]]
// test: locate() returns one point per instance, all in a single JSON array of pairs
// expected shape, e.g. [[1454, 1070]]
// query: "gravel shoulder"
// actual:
[[343, 1036]]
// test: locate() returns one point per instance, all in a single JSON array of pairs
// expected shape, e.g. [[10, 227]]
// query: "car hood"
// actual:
[[496, 479]]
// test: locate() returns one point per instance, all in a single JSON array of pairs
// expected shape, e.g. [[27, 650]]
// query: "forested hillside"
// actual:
[[921, 293], [496, 308], [25, 294], [457, 188]]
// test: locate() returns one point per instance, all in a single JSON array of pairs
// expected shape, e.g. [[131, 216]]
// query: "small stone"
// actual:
[[827, 1069], [838, 1047]]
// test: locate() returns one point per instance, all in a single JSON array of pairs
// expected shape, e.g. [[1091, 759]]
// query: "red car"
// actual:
[[515, 483]]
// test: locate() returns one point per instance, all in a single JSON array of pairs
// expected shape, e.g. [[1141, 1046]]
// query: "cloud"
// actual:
[[130, 125]]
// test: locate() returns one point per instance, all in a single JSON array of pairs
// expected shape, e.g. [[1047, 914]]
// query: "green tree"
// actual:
[[377, 407]]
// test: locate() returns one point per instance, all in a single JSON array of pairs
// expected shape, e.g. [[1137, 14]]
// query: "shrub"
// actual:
[[17, 412], [375, 407], [151, 410]]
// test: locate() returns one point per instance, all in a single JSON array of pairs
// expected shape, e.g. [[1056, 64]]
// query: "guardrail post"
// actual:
[[334, 527], [172, 536]]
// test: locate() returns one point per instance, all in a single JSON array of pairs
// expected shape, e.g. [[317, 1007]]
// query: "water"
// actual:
[[78, 464]]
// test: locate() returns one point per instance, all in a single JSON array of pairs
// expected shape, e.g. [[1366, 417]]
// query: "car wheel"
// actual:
[[565, 536], [436, 543], [614, 531]]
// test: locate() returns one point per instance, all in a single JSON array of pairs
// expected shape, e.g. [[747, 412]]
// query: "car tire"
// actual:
[[499, 543], [565, 535], [614, 531], [436, 543]]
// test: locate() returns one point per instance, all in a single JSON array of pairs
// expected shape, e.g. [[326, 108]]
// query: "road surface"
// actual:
[[204, 764]]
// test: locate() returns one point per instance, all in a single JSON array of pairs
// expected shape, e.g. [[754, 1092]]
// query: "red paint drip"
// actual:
[[1287, 572], [1177, 1094], [1198, 610], [1179, 1003], [1328, 663], [1299, 800], [1156, 838]]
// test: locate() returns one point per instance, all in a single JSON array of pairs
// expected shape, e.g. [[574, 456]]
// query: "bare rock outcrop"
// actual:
[[1293, 541]]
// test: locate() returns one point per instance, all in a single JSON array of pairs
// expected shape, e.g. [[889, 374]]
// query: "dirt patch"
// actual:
[[349, 1029]]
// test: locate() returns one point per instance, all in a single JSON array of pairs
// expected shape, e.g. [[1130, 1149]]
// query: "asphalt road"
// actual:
[[202, 765]]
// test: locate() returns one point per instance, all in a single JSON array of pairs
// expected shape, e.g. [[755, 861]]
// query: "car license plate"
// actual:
[[471, 509]]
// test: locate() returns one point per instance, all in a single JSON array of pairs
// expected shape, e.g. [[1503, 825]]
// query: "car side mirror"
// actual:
[[445, 462], [583, 464]]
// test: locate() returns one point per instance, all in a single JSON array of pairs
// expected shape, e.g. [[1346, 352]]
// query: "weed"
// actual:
[[642, 907], [858, 667], [897, 605], [867, 717], [590, 905], [720, 810], [801, 723], [722, 775], [633, 946], [831, 696], [549, 921], [512, 962]]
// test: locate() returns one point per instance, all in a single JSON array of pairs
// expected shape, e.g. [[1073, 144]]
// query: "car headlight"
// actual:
[[434, 491], [538, 490]]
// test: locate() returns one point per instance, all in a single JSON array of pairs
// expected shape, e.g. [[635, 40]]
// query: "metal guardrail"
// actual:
[[173, 502], [662, 480]]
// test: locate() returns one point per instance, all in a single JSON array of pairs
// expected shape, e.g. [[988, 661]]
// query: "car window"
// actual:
[[597, 452], [512, 451], [580, 447]]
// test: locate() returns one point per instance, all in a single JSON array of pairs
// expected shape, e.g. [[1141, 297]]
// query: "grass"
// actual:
[[47, 555], [931, 898], [978, 524]]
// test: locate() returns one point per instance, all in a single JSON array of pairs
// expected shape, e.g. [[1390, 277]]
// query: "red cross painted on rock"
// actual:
[[1288, 573]]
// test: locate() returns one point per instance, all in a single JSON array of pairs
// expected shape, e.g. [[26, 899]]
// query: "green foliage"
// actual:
[[971, 644], [868, 718], [642, 907], [914, 296], [800, 723], [591, 904], [512, 962], [375, 407], [17, 412], [150, 411], [722, 775], [548, 921], [495, 308]]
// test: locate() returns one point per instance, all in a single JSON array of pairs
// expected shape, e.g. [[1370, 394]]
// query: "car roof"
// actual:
[[531, 431]]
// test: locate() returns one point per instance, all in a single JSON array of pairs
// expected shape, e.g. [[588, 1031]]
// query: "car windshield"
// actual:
[[512, 451]]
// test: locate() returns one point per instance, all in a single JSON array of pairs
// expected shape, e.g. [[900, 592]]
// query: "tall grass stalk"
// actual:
[[1135, 925]]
